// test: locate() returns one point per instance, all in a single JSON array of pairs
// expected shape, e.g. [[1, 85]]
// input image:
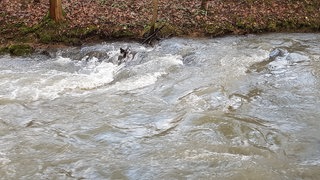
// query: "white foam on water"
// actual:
[[237, 65], [64, 76], [163, 62], [311, 162], [137, 82], [52, 84], [148, 73], [97, 76], [172, 59], [62, 61]]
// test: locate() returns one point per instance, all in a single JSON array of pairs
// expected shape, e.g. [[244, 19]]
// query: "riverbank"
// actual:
[[26, 22]]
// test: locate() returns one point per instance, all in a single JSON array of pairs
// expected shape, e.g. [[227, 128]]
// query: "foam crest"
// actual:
[[61, 80], [137, 82], [89, 78]]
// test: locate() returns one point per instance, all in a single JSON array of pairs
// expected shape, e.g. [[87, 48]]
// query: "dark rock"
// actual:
[[277, 53], [125, 55]]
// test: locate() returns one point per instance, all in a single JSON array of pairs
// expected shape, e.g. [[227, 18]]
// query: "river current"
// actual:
[[238, 107]]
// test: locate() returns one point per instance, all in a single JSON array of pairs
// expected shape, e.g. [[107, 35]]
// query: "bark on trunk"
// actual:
[[154, 15], [56, 10]]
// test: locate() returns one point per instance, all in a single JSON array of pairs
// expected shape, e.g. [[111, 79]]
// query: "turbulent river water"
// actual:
[[243, 107]]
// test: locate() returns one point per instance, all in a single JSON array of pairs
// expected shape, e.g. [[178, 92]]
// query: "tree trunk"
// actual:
[[204, 5], [154, 15], [56, 10]]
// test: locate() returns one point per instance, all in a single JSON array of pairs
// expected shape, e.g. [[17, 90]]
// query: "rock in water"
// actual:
[[277, 53], [125, 55]]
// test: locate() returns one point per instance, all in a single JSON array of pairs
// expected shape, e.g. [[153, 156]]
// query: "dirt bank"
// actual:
[[25, 21]]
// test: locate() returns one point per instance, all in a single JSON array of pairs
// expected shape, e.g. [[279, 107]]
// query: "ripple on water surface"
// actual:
[[225, 108]]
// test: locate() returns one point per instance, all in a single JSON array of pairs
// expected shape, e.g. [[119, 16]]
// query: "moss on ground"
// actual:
[[17, 50]]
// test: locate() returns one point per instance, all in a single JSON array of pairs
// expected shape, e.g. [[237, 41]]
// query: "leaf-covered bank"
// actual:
[[26, 21]]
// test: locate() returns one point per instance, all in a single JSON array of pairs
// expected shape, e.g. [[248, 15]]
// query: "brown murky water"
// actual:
[[226, 108]]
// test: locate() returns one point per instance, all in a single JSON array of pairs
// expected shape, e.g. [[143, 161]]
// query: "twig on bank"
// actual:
[[152, 36]]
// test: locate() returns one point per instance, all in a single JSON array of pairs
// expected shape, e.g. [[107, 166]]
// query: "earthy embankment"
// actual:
[[26, 21]]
